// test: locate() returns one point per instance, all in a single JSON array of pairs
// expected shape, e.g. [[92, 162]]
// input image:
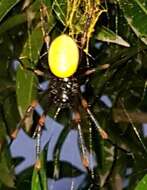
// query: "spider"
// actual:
[[64, 91]]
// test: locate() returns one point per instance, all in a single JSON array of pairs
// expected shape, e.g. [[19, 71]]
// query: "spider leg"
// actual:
[[37, 136], [85, 159], [28, 112], [41, 120], [99, 68], [84, 152], [57, 111], [35, 71], [38, 132], [102, 133]]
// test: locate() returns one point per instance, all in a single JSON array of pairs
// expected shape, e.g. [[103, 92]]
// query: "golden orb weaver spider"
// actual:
[[68, 95]]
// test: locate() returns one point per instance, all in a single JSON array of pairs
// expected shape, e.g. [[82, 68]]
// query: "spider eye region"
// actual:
[[63, 56]]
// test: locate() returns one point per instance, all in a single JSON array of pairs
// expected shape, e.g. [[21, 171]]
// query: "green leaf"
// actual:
[[26, 89], [11, 112], [43, 176], [35, 181], [107, 35], [19, 18], [2, 133], [142, 184], [6, 6], [135, 12], [59, 7], [12, 22], [39, 178], [26, 81], [31, 52], [6, 174]]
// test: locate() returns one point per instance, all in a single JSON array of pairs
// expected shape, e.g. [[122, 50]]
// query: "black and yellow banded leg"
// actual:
[[27, 114], [33, 70], [102, 133], [84, 151], [37, 136]]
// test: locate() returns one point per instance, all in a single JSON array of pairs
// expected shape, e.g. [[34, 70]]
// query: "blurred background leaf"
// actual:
[[142, 184], [136, 12]]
